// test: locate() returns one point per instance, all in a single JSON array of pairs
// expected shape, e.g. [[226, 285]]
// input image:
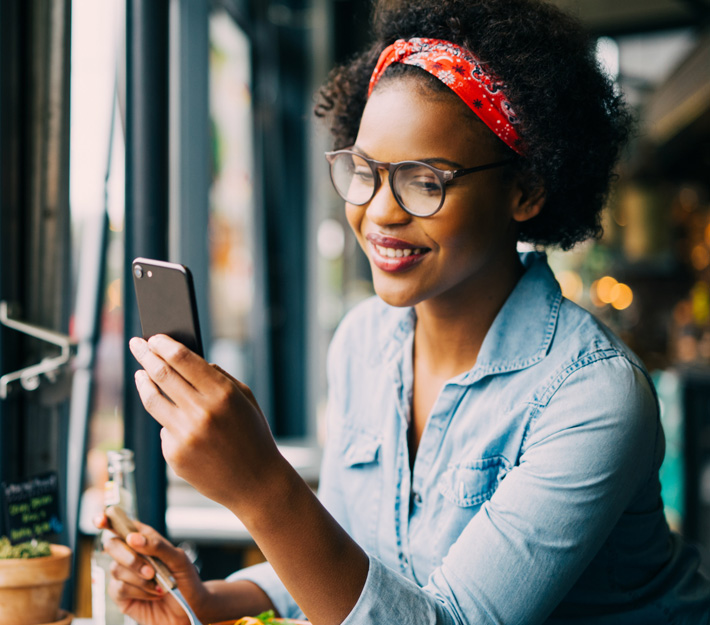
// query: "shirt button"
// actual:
[[417, 498]]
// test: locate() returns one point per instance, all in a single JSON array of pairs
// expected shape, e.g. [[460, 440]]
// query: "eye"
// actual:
[[425, 185], [363, 174], [419, 180]]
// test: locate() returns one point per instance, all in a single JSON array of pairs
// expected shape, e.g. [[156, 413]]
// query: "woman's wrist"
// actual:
[[224, 600], [275, 485]]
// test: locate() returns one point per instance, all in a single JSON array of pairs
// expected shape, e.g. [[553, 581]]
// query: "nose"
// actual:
[[383, 209]]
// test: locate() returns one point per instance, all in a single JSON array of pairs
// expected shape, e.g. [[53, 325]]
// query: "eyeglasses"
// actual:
[[419, 188]]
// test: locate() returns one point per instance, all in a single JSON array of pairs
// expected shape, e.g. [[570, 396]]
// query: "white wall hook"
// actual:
[[30, 377]]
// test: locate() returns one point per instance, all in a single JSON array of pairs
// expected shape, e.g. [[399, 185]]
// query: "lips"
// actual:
[[394, 255]]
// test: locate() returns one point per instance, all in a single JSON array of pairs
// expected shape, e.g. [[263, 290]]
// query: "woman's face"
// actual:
[[457, 253]]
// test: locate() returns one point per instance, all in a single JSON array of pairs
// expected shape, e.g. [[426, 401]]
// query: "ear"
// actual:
[[528, 200]]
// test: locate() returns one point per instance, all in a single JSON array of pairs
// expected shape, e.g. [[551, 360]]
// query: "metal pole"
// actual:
[[146, 222], [190, 147]]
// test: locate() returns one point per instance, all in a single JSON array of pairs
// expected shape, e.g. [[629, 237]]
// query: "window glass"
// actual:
[[97, 179], [231, 222]]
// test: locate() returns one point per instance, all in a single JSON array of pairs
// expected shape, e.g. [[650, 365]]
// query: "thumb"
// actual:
[[148, 542]]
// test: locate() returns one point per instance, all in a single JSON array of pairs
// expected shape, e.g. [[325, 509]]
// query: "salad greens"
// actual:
[[268, 618]]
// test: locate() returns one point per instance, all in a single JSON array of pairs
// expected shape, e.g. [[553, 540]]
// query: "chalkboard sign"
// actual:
[[32, 508]]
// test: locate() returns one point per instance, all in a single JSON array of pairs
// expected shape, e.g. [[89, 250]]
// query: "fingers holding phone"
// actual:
[[214, 433]]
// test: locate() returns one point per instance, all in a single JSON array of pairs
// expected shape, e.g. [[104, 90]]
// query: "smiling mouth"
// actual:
[[396, 258], [391, 252]]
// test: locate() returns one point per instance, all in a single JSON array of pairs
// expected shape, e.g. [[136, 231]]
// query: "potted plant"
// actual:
[[32, 577]]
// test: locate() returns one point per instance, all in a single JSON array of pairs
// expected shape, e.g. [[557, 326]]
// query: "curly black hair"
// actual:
[[572, 121]]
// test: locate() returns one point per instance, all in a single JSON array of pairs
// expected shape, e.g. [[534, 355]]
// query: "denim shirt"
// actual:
[[534, 496]]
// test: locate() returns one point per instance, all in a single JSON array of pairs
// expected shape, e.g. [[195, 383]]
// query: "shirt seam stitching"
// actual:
[[538, 405]]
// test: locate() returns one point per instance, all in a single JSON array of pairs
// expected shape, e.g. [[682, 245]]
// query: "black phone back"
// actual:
[[166, 301]]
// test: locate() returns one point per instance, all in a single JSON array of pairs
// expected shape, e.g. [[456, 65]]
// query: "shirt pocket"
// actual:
[[472, 483], [360, 448], [362, 484], [464, 488]]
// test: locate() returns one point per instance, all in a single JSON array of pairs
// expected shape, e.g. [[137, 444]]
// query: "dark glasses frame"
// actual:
[[444, 175]]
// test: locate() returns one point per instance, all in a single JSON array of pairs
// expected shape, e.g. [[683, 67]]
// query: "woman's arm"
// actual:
[[215, 437]]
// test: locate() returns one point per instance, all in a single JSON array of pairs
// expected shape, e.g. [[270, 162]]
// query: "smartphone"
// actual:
[[166, 301]]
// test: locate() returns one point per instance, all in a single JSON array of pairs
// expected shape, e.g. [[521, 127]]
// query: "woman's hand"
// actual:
[[133, 587], [215, 437], [214, 434]]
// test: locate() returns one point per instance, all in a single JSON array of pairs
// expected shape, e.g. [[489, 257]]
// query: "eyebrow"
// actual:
[[429, 161]]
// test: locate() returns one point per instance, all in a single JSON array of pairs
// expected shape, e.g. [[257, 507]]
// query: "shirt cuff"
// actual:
[[263, 575], [388, 597]]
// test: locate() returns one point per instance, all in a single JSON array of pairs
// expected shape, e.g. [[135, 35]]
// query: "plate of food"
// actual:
[[265, 618]]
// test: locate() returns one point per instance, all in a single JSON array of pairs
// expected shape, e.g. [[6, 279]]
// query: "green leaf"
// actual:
[[268, 618]]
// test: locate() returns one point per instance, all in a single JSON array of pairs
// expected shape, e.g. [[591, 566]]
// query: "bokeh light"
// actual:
[[604, 287], [621, 296], [571, 285]]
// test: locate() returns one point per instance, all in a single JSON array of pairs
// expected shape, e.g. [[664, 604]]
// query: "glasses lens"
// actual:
[[419, 188], [352, 178]]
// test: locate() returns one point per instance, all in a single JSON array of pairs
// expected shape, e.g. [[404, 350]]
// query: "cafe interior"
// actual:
[[183, 130]]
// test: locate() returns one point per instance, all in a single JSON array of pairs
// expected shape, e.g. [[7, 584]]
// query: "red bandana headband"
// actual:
[[462, 72]]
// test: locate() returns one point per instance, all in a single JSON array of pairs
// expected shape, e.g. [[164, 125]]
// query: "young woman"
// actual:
[[493, 450]]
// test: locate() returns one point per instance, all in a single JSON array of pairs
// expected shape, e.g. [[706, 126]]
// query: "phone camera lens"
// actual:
[[138, 271]]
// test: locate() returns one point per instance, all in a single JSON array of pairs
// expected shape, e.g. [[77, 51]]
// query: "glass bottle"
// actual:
[[119, 489]]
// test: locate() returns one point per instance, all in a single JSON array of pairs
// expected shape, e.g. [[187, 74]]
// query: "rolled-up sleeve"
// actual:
[[264, 576]]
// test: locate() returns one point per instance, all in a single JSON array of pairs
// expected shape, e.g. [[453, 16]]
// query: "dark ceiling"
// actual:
[[619, 17]]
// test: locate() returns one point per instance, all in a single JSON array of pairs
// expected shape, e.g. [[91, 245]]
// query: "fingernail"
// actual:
[[156, 339], [140, 376], [137, 540], [136, 345], [147, 572]]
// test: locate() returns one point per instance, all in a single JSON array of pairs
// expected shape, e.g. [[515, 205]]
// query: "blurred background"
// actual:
[[182, 130]]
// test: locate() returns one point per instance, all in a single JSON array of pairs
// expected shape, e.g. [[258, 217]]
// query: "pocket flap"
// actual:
[[473, 483], [360, 447]]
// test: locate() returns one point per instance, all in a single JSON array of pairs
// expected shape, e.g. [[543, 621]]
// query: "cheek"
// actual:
[[354, 215], [471, 225], [466, 232]]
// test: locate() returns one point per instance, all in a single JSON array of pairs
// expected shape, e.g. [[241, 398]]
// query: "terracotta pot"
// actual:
[[31, 588]]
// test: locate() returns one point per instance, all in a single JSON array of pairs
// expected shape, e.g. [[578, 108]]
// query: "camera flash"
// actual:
[[150, 274]]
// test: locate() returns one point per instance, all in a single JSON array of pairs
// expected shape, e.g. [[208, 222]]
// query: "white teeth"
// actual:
[[390, 252]]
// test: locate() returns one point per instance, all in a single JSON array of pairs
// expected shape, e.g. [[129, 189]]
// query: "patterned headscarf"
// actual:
[[463, 73]]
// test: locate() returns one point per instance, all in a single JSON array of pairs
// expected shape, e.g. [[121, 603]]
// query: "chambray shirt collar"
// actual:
[[521, 332], [523, 329]]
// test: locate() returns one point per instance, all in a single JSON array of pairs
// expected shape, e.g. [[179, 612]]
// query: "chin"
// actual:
[[396, 302], [400, 298]]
